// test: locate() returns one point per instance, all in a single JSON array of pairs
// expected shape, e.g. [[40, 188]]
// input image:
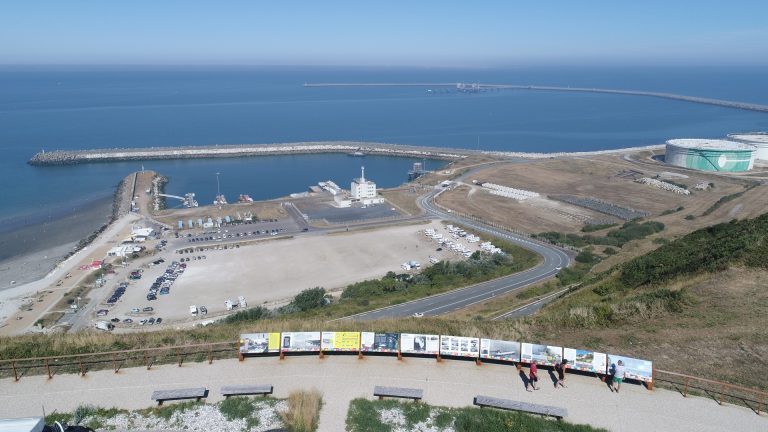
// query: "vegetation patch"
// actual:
[[389, 415], [303, 411], [631, 230]]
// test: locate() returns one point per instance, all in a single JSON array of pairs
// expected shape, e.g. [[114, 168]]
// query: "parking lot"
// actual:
[[322, 210]]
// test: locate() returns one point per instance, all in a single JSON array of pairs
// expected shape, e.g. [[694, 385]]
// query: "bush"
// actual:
[[253, 314], [610, 251], [311, 298], [596, 227], [587, 257]]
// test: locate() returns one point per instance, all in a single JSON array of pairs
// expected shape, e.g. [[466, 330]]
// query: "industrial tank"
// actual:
[[710, 155], [757, 139]]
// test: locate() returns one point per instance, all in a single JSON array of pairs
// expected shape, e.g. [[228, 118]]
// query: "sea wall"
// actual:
[[70, 157]]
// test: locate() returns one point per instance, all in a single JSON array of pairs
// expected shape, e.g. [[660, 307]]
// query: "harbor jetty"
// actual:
[[72, 157], [476, 87]]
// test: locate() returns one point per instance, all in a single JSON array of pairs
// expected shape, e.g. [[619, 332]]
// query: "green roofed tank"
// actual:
[[710, 155]]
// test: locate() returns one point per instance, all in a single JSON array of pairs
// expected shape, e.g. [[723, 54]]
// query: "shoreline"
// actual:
[[73, 157]]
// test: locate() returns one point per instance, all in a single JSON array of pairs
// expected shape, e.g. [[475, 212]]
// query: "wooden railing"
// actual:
[[719, 391], [115, 360]]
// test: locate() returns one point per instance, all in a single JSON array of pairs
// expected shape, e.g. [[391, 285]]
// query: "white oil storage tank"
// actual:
[[710, 155], [757, 139]]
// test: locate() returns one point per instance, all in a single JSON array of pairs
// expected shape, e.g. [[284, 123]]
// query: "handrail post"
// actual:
[[210, 354], [178, 355], [114, 362], [82, 371], [48, 368], [687, 380], [760, 405], [146, 362], [722, 392], [15, 374]]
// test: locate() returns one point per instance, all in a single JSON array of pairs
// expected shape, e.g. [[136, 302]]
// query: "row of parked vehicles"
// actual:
[[162, 284], [119, 291], [226, 235]]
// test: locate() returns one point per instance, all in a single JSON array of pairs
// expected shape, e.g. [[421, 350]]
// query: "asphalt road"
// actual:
[[553, 259]]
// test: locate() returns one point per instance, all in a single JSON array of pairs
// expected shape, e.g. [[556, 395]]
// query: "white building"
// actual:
[[122, 251], [362, 188]]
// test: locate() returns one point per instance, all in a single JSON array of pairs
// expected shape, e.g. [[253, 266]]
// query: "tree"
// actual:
[[311, 298]]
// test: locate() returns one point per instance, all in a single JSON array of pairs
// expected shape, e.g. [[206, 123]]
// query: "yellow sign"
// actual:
[[341, 341], [274, 342]]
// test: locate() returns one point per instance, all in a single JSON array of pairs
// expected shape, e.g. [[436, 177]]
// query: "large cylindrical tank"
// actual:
[[757, 139], [710, 155]]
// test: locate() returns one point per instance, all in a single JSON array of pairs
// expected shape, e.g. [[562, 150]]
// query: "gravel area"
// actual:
[[203, 418], [395, 418]]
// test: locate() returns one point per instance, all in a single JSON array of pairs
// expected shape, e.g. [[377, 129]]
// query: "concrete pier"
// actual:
[[477, 86]]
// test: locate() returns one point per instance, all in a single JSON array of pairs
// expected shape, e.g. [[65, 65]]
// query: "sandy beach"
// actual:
[[30, 252]]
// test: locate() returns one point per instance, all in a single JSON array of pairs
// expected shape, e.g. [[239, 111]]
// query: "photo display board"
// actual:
[[500, 350], [379, 342], [300, 342], [259, 343], [459, 346], [587, 361], [340, 341], [546, 355], [419, 343], [641, 370]]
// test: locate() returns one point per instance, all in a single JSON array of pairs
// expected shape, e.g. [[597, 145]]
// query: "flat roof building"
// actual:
[[362, 188]]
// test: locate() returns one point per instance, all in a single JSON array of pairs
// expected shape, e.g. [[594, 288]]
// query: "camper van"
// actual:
[[193, 310]]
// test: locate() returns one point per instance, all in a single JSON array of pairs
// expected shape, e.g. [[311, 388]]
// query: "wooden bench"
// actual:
[[243, 390], [189, 393], [506, 404], [398, 392]]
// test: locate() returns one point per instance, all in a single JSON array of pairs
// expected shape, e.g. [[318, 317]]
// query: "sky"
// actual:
[[385, 33]]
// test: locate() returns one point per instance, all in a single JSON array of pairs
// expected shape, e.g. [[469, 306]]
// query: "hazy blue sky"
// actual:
[[439, 33]]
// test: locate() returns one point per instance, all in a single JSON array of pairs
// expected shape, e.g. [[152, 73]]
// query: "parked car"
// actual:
[[151, 321], [203, 310], [158, 321], [115, 320], [102, 312], [135, 310], [142, 322], [127, 321], [148, 309]]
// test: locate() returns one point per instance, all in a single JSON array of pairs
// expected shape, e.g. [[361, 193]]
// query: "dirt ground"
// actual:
[[262, 210], [609, 178], [272, 272]]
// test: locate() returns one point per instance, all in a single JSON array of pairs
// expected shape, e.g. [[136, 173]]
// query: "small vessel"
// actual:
[[357, 153], [244, 198], [220, 200]]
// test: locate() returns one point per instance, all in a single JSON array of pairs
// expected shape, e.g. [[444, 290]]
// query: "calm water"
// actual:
[[67, 108]]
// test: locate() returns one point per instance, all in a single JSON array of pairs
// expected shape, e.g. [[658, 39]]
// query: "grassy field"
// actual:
[[366, 416]]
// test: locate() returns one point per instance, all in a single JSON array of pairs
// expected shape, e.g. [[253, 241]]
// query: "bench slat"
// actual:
[[407, 393], [507, 404], [246, 389], [188, 393]]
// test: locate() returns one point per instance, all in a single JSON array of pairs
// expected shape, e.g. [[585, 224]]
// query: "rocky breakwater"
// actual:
[[71, 157]]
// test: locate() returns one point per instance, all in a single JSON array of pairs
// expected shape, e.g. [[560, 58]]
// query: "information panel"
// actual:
[[258, 343], [419, 343], [340, 341], [300, 342], [379, 342], [500, 350], [543, 354], [641, 370], [459, 346], [587, 361]]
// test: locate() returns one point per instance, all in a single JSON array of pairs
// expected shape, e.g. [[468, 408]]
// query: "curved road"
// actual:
[[553, 259]]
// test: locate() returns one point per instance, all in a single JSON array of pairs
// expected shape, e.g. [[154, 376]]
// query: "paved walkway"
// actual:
[[343, 378]]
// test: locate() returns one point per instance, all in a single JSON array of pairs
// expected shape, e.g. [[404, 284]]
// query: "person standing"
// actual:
[[533, 377], [619, 372], [560, 368]]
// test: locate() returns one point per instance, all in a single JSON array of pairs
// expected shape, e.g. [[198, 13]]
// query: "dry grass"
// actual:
[[262, 210], [404, 198], [303, 410]]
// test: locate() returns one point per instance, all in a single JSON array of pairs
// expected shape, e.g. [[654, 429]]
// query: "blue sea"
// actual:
[[95, 107]]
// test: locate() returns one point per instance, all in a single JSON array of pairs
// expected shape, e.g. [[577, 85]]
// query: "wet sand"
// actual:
[[30, 252]]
